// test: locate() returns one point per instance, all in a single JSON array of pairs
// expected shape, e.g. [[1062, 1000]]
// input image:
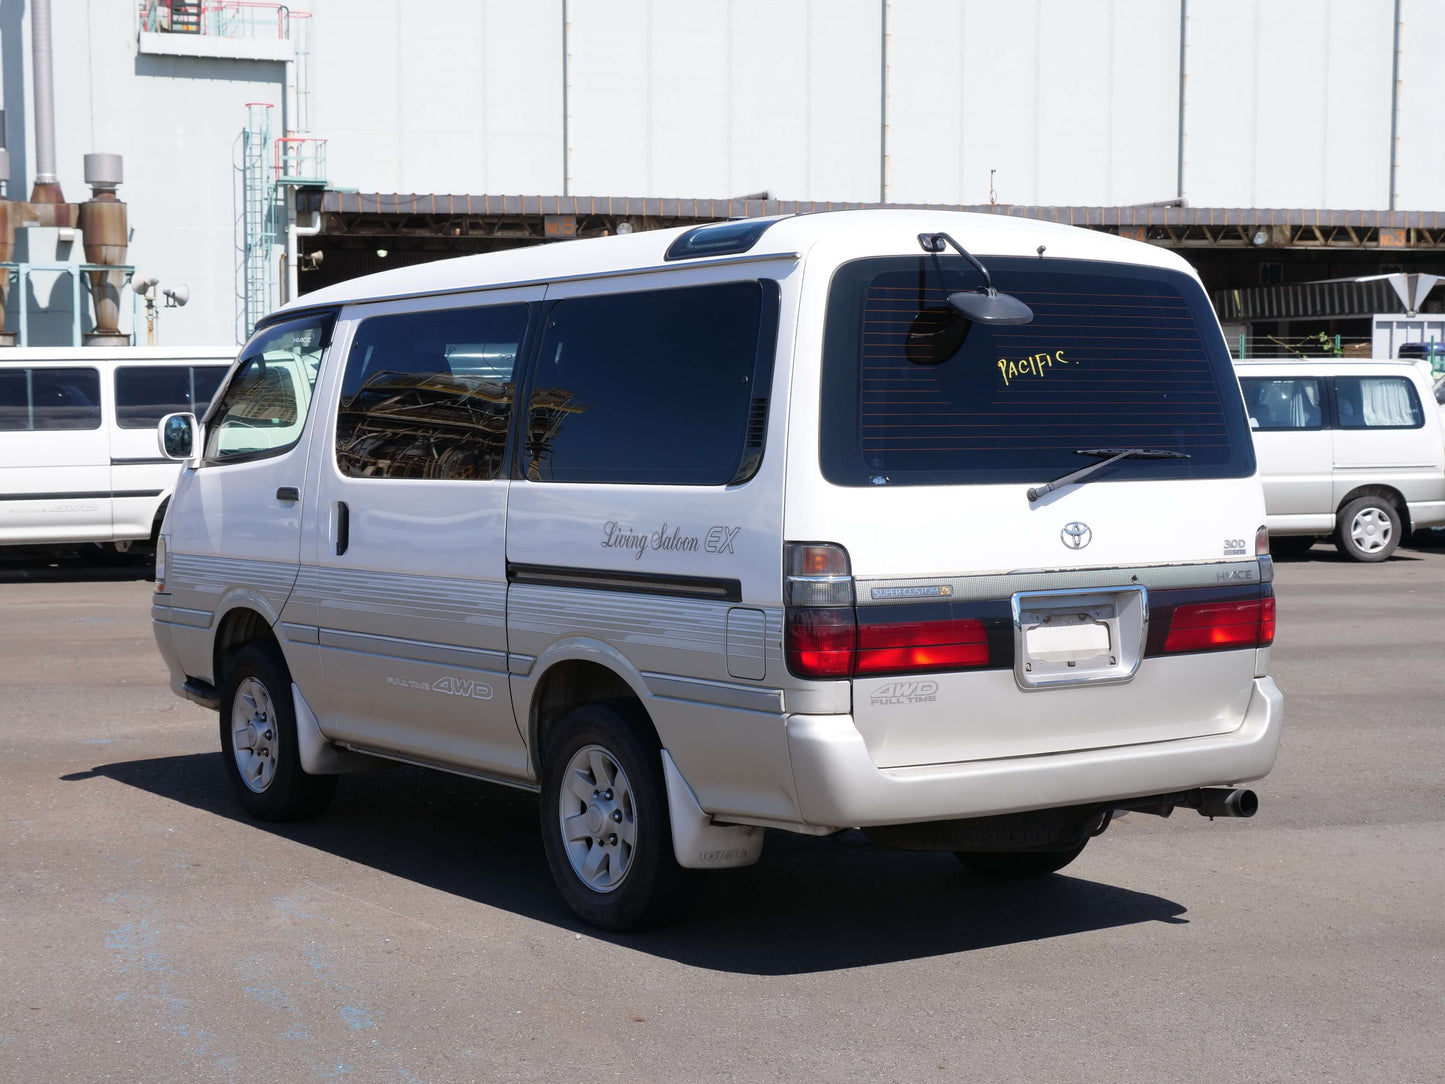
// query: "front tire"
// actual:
[[1018, 864], [605, 824], [258, 739], [1368, 529]]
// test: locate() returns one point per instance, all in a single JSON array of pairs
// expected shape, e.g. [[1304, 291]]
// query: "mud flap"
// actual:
[[697, 843], [318, 755]]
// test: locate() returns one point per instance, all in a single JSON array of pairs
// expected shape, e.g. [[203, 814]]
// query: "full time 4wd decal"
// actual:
[[449, 686], [903, 692], [667, 538]]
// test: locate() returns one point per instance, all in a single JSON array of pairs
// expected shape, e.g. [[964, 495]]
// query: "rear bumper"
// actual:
[[839, 786]]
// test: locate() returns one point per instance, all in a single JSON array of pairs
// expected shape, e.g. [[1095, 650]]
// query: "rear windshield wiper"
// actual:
[[1113, 454]]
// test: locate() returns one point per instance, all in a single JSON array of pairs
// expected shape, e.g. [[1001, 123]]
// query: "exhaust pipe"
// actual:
[[1208, 802], [1219, 802]]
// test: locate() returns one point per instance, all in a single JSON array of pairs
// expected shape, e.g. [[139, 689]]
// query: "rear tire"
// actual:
[[258, 739], [605, 824], [1368, 529], [1018, 864]]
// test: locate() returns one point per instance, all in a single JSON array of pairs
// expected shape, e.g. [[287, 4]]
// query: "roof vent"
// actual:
[[718, 239]]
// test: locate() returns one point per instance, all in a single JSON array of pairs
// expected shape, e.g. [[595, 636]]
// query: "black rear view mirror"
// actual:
[[990, 307], [985, 305]]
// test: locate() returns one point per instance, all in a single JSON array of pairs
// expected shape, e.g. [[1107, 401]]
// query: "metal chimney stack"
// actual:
[[103, 223], [46, 194]]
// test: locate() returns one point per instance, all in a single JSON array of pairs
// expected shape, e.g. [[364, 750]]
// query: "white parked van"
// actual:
[[78, 457], [1349, 448], [796, 523]]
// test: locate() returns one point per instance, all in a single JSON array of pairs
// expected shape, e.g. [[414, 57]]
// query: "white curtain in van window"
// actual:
[[1298, 415], [1386, 402]]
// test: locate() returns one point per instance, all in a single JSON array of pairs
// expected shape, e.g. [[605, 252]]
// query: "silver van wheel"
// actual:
[[597, 815], [253, 734], [1371, 530]]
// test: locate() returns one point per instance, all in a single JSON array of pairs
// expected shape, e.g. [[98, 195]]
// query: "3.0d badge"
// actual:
[[1076, 535]]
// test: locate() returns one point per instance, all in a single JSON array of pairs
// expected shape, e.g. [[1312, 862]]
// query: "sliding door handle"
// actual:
[[288, 493], [343, 527]]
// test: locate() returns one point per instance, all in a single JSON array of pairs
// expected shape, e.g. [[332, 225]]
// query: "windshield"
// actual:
[[1117, 356]]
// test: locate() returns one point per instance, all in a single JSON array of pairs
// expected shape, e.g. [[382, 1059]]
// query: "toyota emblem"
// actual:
[[1076, 535]]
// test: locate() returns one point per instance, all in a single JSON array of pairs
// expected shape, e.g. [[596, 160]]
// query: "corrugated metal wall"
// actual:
[[1288, 103]]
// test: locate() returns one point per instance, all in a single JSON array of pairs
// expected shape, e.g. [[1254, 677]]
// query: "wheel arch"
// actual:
[[580, 672], [238, 626]]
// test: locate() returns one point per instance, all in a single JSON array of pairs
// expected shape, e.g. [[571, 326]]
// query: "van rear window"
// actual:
[[1117, 356]]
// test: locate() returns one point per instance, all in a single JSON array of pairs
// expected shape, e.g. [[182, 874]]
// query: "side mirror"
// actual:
[[179, 436]]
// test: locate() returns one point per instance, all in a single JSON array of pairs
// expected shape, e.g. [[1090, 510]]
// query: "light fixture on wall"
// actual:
[[145, 287], [381, 253], [1261, 236]]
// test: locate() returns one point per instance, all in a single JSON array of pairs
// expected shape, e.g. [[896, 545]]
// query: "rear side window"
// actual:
[[656, 387], [1282, 403], [49, 399], [144, 394], [1117, 356], [429, 394], [1377, 402]]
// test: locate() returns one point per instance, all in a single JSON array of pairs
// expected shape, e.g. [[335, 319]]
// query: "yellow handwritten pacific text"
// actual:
[[1034, 365]]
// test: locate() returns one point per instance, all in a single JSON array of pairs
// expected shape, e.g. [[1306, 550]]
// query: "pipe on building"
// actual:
[[1395, 108], [293, 247], [566, 102], [1183, 89], [883, 104], [9, 212], [47, 184]]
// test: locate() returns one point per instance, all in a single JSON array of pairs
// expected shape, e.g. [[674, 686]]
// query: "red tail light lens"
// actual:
[[1213, 626], [820, 642], [829, 643], [921, 645]]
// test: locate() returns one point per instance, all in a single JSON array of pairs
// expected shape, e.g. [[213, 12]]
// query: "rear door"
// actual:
[[55, 483], [1295, 450], [407, 567], [1380, 429], [992, 624]]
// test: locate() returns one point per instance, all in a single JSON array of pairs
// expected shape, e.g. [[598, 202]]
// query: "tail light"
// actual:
[[160, 564], [1261, 542], [824, 637], [1217, 626], [921, 645]]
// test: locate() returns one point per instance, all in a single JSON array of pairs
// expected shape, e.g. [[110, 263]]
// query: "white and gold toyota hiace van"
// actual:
[[943, 526]]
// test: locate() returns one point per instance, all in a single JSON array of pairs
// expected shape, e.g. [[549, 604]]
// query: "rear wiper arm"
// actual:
[[1113, 454]]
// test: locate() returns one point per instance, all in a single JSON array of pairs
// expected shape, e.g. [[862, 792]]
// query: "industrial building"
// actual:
[[264, 150]]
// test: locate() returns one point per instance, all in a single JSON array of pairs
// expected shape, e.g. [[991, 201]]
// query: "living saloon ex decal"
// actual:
[[667, 538]]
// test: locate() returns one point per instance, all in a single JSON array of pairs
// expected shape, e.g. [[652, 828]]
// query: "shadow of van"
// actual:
[[81, 562], [810, 905]]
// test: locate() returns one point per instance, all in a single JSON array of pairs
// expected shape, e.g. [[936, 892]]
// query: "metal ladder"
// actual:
[[258, 220]]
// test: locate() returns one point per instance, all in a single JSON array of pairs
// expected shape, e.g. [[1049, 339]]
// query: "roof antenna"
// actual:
[[1040, 249]]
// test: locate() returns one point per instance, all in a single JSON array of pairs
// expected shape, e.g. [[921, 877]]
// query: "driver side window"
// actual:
[[264, 407]]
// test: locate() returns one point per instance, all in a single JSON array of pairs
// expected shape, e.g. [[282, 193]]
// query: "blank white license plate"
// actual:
[[1062, 641]]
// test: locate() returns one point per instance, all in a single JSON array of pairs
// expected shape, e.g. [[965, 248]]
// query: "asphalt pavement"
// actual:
[[150, 932]]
